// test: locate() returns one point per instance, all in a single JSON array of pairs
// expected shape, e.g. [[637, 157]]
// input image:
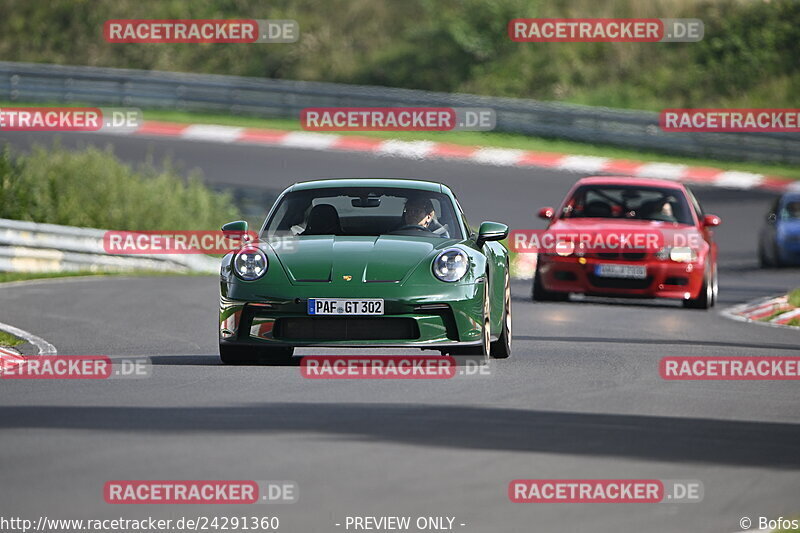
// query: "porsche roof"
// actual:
[[370, 182]]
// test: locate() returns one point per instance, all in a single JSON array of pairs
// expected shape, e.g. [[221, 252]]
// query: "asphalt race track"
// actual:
[[580, 398]]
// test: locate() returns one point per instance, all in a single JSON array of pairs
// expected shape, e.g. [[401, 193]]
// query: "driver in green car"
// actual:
[[418, 211], [420, 214]]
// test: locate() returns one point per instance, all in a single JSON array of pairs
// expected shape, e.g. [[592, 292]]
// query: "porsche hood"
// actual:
[[347, 259]]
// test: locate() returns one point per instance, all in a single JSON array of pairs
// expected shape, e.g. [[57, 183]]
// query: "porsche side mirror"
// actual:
[[491, 231], [546, 213], [711, 220], [239, 226]]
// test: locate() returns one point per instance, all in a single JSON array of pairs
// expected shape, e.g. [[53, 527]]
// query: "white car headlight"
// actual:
[[451, 265], [250, 263], [565, 248], [679, 254]]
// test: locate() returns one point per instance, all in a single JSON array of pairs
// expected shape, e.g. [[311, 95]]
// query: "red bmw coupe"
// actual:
[[683, 266]]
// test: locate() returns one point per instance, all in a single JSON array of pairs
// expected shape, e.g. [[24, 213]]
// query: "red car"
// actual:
[[620, 204]]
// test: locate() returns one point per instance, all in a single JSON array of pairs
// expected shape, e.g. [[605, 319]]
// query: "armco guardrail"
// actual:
[[29, 82], [33, 247]]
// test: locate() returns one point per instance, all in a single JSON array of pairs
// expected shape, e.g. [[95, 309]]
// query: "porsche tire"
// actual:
[[501, 348]]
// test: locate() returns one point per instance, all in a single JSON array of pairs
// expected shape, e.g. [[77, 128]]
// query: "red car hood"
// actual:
[[609, 224], [674, 234]]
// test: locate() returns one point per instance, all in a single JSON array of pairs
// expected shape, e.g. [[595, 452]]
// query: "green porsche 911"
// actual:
[[365, 263]]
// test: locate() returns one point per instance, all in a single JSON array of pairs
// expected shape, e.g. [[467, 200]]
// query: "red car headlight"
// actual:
[[679, 254]]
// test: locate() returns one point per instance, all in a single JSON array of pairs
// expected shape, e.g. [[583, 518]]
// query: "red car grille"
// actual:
[[619, 283], [624, 256]]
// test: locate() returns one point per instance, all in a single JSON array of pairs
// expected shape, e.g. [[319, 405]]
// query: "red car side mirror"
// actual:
[[711, 220], [546, 213]]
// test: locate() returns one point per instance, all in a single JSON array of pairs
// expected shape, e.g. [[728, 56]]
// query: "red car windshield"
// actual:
[[625, 202]]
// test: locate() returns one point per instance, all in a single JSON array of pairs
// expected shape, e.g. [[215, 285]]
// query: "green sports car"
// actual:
[[365, 263]]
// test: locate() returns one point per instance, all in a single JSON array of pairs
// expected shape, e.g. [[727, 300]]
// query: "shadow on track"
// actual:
[[207, 360], [188, 360], [655, 438], [665, 342], [650, 303]]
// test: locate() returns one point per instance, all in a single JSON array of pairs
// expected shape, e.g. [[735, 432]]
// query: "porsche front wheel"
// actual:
[[501, 348]]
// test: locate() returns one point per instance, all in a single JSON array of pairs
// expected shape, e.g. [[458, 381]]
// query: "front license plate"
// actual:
[[345, 306], [621, 271]]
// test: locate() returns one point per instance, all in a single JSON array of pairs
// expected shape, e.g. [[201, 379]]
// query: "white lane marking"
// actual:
[[667, 171], [44, 347], [497, 156], [209, 132], [412, 149], [304, 139], [582, 163], [738, 180]]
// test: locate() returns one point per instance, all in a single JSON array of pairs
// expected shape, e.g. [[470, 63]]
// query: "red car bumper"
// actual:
[[665, 279]]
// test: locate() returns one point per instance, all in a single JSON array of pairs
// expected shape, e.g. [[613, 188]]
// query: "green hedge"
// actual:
[[748, 57], [92, 188]]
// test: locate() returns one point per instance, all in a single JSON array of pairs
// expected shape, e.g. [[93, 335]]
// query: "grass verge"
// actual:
[[794, 297], [25, 276], [7, 339], [774, 314]]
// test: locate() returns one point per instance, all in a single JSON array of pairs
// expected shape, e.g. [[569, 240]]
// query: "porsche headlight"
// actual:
[[451, 265], [679, 254], [250, 263]]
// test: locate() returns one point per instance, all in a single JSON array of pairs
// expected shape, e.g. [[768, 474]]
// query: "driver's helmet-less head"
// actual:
[[418, 205], [417, 210]]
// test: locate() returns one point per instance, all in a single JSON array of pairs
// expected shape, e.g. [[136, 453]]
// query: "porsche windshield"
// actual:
[[623, 202], [365, 212]]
